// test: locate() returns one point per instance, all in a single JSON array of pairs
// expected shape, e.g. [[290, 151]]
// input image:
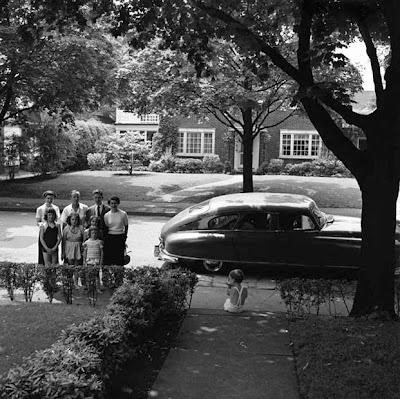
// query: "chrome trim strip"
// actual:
[[298, 265]]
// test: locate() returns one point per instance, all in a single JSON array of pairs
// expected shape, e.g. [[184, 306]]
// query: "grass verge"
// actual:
[[27, 327], [339, 358]]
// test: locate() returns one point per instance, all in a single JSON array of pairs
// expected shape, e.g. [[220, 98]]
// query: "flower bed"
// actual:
[[82, 362]]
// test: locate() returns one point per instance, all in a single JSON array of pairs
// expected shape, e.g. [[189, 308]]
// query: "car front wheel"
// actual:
[[212, 265]]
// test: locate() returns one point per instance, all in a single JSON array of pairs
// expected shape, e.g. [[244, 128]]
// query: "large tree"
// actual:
[[318, 28], [47, 60]]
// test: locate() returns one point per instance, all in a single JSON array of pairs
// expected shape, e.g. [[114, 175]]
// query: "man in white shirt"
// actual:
[[75, 207]]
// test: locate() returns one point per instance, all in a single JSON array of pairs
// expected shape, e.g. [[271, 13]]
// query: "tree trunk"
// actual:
[[375, 288], [247, 141]]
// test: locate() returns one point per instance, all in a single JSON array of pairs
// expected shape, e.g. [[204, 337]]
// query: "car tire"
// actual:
[[213, 265]]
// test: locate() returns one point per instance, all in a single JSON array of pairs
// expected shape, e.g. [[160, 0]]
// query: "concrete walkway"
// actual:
[[227, 356]]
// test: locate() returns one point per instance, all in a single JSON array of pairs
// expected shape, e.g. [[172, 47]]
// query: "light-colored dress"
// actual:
[[238, 307], [73, 242], [93, 248]]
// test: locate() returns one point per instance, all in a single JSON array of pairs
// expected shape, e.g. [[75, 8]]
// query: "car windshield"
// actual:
[[319, 216]]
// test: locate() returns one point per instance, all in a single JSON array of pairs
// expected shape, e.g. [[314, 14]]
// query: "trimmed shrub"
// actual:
[[228, 167], [304, 296], [166, 163], [189, 165], [272, 167], [300, 169], [212, 164], [96, 160], [84, 359]]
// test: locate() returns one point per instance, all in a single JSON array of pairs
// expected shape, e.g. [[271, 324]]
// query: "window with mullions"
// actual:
[[300, 144], [193, 145], [196, 141]]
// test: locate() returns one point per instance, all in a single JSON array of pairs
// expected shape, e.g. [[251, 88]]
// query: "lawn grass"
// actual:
[[139, 186], [27, 327], [346, 358]]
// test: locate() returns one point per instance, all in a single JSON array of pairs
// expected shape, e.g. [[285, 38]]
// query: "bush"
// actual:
[[318, 167], [96, 160], [300, 169], [228, 167], [304, 296], [272, 167], [189, 165], [212, 164], [83, 360], [167, 163]]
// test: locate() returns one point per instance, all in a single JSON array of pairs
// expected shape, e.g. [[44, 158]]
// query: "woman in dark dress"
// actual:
[[40, 212]]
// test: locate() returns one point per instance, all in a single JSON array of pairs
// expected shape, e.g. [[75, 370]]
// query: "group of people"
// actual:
[[89, 235]]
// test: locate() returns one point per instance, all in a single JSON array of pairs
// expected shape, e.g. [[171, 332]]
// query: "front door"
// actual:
[[238, 156]]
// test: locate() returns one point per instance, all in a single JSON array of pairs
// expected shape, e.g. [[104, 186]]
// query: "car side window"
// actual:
[[258, 221], [223, 222], [295, 222]]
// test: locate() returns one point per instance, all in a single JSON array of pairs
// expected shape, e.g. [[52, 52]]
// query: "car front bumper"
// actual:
[[162, 254]]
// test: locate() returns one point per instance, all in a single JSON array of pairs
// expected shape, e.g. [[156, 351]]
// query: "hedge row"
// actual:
[[171, 164], [82, 362], [318, 167], [29, 277], [304, 296]]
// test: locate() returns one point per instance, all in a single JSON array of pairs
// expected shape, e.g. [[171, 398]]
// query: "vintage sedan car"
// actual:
[[280, 231]]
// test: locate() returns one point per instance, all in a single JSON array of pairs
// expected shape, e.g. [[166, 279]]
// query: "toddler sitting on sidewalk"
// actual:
[[237, 293]]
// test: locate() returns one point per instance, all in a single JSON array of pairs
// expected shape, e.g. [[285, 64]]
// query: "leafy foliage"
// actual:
[[86, 356], [125, 150], [41, 68], [166, 139], [305, 296]]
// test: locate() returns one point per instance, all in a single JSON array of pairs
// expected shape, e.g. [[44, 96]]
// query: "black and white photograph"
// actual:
[[199, 199]]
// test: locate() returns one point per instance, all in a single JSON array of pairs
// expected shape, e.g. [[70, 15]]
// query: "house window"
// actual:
[[300, 144], [196, 142]]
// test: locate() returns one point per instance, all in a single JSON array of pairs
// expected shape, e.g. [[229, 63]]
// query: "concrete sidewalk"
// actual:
[[227, 356]]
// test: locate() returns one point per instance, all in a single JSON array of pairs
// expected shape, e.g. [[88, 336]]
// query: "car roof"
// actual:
[[252, 201]]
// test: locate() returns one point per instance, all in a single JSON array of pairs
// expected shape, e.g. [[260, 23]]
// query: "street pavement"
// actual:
[[19, 237]]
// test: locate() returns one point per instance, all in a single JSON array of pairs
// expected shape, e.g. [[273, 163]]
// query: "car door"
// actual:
[[257, 239], [208, 238], [303, 245], [310, 246]]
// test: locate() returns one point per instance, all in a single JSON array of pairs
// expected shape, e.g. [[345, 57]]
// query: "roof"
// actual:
[[261, 200]]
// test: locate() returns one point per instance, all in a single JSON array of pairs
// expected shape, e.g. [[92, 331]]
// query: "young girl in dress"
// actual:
[[93, 252], [72, 243], [237, 293], [50, 237]]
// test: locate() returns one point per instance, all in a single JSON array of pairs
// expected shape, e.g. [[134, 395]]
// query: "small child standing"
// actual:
[[237, 293], [93, 252]]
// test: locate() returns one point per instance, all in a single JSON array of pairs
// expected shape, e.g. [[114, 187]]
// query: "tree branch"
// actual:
[[371, 52], [304, 35], [259, 44], [12, 115], [226, 121], [282, 120], [333, 137]]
